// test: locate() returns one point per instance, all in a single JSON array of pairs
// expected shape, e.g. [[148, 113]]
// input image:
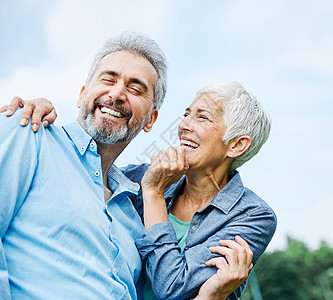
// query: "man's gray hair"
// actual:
[[142, 45], [242, 115]]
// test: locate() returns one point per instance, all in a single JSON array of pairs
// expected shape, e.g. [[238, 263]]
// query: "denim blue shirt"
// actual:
[[59, 239], [234, 210]]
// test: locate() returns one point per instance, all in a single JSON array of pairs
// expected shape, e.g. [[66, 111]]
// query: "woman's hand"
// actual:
[[166, 168], [233, 268], [39, 110]]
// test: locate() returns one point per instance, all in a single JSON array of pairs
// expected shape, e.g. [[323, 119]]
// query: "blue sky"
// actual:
[[280, 50]]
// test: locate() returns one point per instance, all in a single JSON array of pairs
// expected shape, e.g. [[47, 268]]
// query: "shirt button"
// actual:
[[194, 227], [115, 271], [92, 145], [112, 236], [96, 173], [82, 148]]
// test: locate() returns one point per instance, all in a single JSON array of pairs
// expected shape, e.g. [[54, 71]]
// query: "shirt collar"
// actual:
[[119, 183], [225, 199], [79, 136]]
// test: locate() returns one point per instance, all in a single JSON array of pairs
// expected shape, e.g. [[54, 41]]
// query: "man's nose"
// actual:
[[117, 92]]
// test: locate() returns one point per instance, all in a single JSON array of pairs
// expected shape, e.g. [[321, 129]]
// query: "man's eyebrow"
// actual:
[[108, 72]]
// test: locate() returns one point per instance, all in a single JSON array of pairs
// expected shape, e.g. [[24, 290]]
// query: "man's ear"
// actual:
[[80, 97], [239, 145], [151, 120]]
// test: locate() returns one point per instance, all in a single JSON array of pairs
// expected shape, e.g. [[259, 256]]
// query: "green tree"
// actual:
[[293, 273]]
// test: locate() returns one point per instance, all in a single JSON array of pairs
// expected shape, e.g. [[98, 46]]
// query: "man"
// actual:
[[60, 239]]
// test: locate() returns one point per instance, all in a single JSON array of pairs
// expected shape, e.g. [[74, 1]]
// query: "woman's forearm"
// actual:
[[155, 210]]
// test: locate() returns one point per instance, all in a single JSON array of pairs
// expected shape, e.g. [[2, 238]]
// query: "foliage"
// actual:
[[295, 273]]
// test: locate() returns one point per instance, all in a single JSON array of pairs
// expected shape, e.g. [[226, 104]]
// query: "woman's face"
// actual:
[[201, 133]]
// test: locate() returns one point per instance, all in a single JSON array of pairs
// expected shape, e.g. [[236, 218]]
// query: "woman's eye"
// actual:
[[203, 117], [185, 115]]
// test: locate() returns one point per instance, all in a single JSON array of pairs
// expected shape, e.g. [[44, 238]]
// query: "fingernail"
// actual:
[[23, 122], [45, 123], [8, 112], [34, 127]]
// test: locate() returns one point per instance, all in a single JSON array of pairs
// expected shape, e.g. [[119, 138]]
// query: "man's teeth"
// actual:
[[189, 143], [111, 112]]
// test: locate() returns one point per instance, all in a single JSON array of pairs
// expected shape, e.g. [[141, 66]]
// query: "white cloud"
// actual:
[[75, 28]]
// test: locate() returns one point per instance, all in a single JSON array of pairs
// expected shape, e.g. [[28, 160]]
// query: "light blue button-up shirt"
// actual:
[[59, 240]]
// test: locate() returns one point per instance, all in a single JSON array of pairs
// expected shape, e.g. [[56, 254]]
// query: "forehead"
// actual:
[[128, 65], [207, 101]]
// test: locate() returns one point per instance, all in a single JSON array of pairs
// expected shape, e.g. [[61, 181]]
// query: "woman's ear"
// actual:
[[80, 97], [239, 145], [151, 120]]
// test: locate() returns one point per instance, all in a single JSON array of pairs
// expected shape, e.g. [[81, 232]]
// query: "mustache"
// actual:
[[115, 104]]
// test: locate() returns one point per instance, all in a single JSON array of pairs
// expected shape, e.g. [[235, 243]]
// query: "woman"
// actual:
[[193, 196], [223, 128]]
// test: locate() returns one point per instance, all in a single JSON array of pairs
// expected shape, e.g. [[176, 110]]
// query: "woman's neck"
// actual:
[[197, 193]]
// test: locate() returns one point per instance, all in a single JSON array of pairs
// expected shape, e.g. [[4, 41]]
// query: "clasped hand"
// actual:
[[166, 168]]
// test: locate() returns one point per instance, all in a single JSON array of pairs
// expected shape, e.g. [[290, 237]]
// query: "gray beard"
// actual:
[[104, 132]]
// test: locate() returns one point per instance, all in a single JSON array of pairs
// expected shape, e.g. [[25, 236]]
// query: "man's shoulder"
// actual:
[[11, 128], [12, 120], [13, 133], [135, 172]]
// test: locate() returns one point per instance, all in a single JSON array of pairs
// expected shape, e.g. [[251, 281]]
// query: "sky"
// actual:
[[279, 50]]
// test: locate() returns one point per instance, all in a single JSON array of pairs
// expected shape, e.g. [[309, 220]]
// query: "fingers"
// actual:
[[166, 168], [3, 108], [230, 264], [218, 262], [27, 110], [49, 118], [242, 249], [43, 111], [13, 106], [231, 256], [39, 110], [242, 242], [172, 159], [236, 254]]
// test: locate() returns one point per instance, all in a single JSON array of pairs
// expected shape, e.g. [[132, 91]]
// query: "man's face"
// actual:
[[117, 103]]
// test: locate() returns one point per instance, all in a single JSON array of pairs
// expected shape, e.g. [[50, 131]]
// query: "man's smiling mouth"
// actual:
[[111, 112]]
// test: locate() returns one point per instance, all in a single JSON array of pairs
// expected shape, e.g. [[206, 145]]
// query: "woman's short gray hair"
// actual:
[[242, 115], [142, 45]]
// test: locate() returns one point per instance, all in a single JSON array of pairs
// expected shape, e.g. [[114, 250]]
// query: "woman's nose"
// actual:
[[186, 123]]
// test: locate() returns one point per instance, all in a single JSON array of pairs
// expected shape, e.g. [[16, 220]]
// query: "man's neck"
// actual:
[[109, 153]]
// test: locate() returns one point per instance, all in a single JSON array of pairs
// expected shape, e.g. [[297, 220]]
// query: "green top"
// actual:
[[181, 229]]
